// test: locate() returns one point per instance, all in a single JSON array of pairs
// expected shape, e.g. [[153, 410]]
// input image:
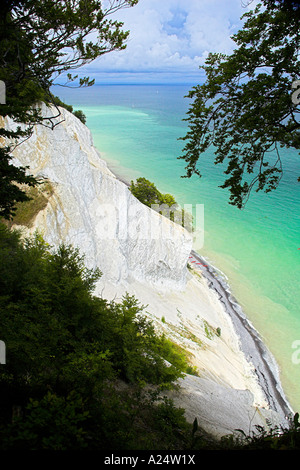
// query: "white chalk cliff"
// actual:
[[143, 253]]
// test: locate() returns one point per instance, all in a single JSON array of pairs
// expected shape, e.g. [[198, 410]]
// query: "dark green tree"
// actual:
[[165, 204], [247, 109], [84, 373], [39, 41], [146, 192], [80, 115]]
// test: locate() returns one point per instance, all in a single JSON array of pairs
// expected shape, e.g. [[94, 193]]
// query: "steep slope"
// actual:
[[93, 210], [145, 254]]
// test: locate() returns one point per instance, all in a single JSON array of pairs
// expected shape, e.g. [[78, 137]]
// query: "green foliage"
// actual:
[[37, 200], [67, 350], [244, 110], [165, 204], [83, 373], [40, 40], [176, 355], [80, 115], [53, 327], [58, 102], [210, 331], [51, 423], [275, 438], [10, 193], [146, 192], [135, 346]]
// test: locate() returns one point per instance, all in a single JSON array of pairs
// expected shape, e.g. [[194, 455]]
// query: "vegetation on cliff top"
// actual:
[[83, 373], [147, 193], [248, 107]]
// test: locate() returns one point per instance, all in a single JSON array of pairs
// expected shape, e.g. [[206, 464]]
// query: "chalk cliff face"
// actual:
[[145, 254], [93, 210]]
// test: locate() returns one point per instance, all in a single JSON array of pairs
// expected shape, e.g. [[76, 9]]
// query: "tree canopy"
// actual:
[[40, 41], [245, 109], [84, 373]]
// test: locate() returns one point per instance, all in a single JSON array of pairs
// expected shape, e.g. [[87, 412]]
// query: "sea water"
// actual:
[[137, 130]]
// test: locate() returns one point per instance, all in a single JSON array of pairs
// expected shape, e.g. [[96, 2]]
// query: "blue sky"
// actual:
[[169, 40]]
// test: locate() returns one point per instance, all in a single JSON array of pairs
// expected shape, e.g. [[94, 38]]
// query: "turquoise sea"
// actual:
[[136, 128]]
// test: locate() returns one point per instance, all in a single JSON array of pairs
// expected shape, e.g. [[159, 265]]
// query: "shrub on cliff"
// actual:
[[58, 102], [85, 373]]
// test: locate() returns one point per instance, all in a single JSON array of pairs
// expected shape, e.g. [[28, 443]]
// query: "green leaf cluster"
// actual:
[[244, 110], [147, 193], [83, 373]]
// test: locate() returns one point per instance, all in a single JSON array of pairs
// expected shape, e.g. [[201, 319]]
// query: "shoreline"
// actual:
[[251, 344]]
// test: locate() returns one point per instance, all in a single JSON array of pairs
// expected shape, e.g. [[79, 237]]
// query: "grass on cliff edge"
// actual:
[[27, 211]]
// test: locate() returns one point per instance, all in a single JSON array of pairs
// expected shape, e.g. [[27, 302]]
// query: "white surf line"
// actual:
[[196, 263]]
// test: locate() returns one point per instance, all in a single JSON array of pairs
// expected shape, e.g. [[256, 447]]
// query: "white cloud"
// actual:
[[173, 35]]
